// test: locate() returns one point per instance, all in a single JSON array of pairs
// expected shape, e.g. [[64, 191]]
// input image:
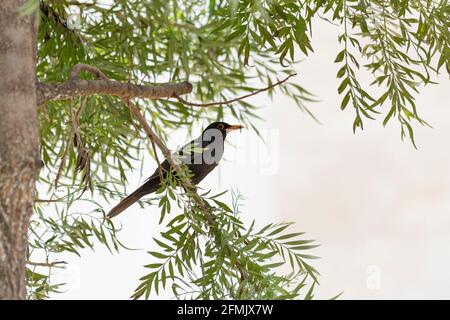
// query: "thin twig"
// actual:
[[160, 168], [54, 264], [47, 200], [76, 70], [210, 104], [161, 176]]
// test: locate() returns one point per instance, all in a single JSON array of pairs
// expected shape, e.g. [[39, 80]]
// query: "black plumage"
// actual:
[[201, 156]]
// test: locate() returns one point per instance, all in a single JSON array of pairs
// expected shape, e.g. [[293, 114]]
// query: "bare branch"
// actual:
[[77, 87], [104, 86], [55, 264], [76, 70], [210, 104], [47, 200]]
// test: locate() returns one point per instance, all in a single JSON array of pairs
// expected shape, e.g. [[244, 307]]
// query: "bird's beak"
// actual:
[[233, 127]]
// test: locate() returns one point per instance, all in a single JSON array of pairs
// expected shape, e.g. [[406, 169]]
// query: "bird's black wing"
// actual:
[[190, 154], [165, 166]]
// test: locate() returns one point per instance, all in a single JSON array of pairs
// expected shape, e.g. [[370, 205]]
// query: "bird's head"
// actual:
[[223, 127], [214, 135]]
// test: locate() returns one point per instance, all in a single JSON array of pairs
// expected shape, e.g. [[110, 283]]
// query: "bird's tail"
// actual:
[[125, 203]]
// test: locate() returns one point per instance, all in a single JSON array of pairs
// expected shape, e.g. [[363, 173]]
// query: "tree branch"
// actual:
[[47, 200], [54, 264], [76, 70], [76, 87], [104, 86]]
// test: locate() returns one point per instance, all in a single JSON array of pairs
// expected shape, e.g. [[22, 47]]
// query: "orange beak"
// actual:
[[234, 127]]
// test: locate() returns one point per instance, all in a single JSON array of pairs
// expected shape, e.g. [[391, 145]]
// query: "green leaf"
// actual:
[[345, 101], [157, 255], [340, 57]]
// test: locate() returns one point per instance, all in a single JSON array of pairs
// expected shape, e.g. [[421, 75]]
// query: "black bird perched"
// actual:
[[201, 156]]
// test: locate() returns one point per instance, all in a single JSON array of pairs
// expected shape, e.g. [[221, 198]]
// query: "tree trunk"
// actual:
[[19, 156]]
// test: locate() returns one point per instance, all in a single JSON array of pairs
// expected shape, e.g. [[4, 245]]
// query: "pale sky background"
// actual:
[[379, 208]]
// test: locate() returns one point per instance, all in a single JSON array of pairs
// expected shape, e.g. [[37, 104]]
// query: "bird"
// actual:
[[201, 156]]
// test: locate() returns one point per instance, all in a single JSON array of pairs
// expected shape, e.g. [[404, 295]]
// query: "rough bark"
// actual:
[[19, 162], [76, 87]]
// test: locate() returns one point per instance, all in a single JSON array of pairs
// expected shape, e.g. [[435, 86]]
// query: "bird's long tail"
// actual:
[[125, 203]]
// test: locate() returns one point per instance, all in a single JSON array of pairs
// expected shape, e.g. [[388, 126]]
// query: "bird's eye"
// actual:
[[220, 126]]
